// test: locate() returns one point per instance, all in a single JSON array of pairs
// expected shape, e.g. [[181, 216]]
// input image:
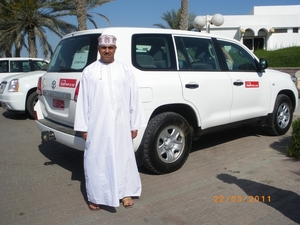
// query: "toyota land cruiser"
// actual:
[[188, 85]]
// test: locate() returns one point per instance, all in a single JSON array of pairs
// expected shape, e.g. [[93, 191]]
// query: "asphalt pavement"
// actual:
[[238, 176]]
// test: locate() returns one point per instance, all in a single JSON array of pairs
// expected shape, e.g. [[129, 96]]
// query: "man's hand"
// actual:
[[84, 135], [134, 134]]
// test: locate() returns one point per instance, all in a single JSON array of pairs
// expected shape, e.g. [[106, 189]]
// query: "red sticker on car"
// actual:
[[69, 83], [252, 84]]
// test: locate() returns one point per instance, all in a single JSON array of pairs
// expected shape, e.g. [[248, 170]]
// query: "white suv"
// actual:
[[18, 92], [187, 86], [12, 66]]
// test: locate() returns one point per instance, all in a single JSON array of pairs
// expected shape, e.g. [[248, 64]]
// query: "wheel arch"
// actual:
[[184, 110], [31, 90], [291, 95]]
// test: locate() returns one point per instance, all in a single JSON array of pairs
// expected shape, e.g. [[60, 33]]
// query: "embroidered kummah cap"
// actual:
[[107, 39]]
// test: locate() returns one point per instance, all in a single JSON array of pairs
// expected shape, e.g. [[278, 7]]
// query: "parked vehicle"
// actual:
[[18, 92], [187, 85], [11, 66]]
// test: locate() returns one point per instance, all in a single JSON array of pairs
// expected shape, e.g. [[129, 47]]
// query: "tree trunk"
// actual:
[[8, 53], [17, 52], [184, 20], [32, 43], [80, 6], [17, 49]]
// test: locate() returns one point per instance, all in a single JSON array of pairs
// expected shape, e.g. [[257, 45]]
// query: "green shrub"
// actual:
[[285, 57], [293, 149]]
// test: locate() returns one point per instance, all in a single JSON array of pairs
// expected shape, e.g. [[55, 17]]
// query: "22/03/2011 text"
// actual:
[[239, 198]]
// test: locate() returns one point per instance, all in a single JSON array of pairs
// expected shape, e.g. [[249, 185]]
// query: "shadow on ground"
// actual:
[[15, 115], [284, 201], [221, 137], [281, 145], [69, 159], [65, 157]]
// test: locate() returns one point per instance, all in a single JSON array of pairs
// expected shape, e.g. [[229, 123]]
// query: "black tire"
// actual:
[[282, 116], [30, 103], [167, 143]]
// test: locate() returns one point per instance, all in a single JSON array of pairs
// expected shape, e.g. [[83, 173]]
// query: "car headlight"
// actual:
[[13, 85]]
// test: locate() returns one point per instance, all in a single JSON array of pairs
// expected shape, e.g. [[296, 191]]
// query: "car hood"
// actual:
[[277, 71], [27, 74]]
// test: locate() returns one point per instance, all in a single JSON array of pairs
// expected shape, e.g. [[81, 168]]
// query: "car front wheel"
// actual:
[[167, 143], [282, 116], [30, 103]]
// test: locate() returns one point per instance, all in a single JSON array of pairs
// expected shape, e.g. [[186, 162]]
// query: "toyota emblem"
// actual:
[[53, 85]]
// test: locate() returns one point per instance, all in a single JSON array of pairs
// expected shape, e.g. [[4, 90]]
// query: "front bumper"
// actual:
[[13, 101]]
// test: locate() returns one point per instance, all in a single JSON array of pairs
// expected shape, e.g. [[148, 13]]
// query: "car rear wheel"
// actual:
[[30, 103], [167, 143], [282, 116]]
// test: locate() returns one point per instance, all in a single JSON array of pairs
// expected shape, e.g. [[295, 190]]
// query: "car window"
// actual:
[[3, 66], [196, 54], [237, 58], [152, 52], [74, 54], [19, 66], [26, 66], [39, 65]]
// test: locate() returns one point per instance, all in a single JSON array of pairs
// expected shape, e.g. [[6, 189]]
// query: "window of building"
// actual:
[[248, 42], [278, 30], [295, 30]]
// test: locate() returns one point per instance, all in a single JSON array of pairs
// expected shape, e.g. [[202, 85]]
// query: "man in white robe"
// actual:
[[109, 113]]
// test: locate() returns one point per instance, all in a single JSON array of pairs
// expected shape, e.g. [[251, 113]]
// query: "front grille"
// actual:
[[2, 86]]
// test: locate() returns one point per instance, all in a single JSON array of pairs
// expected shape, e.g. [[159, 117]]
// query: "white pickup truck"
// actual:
[[187, 85]]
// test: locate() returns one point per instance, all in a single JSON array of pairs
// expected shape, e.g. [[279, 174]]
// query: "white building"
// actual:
[[267, 27]]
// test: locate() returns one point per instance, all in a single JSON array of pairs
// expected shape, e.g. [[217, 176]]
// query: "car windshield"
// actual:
[[74, 54]]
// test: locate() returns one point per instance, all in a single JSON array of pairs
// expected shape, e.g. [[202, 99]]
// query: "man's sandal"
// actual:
[[127, 202], [93, 206]]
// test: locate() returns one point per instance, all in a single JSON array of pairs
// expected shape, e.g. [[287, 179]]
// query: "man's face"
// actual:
[[107, 53]]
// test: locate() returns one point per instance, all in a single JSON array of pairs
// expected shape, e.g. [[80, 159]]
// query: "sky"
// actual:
[[145, 13]]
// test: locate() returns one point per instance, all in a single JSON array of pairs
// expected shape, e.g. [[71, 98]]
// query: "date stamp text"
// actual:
[[239, 198]]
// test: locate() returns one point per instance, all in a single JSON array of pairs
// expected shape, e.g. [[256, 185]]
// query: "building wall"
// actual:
[[277, 26]]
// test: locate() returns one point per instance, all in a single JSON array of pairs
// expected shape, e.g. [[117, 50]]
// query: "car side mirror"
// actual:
[[263, 64]]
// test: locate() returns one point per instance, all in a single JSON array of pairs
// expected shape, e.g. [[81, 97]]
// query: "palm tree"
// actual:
[[184, 23], [173, 20], [20, 19], [90, 4], [80, 8], [29, 19], [6, 42]]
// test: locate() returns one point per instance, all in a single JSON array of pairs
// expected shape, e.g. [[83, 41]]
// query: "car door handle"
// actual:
[[238, 83], [192, 86]]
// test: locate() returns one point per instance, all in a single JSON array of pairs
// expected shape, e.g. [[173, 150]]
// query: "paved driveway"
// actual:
[[233, 177]]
